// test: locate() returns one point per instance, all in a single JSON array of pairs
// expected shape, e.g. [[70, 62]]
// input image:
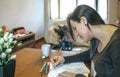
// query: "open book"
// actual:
[[77, 67]]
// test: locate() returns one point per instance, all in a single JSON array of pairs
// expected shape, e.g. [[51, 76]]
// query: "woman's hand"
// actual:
[[66, 74], [56, 61]]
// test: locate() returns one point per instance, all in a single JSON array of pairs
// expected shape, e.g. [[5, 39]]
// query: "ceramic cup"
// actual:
[[45, 50]]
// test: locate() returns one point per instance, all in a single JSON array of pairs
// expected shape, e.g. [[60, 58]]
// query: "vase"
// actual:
[[8, 70]]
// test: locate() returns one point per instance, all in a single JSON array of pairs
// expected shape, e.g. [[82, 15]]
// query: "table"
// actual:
[[29, 62], [24, 40]]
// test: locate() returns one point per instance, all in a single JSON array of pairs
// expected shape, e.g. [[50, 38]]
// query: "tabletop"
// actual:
[[29, 62]]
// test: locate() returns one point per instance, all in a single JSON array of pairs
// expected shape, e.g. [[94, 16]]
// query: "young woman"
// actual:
[[104, 43]]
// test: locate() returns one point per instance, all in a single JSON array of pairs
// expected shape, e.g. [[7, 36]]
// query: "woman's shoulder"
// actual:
[[115, 40], [116, 34]]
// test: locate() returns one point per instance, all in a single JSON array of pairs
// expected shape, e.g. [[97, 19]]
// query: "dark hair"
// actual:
[[64, 27], [91, 15]]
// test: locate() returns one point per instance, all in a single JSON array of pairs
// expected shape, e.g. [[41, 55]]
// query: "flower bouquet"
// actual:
[[7, 42]]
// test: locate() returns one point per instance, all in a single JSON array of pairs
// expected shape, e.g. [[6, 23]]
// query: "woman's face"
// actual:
[[81, 30]]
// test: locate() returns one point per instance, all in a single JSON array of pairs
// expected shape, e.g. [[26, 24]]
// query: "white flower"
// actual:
[[15, 42], [5, 38], [8, 50], [12, 57], [10, 35], [0, 30], [5, 45], [1, 41], [10, 40], [6, 33], [7, 42], [3, 55], [0, 48]]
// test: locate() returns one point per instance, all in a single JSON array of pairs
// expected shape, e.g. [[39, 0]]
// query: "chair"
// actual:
[[51, 36]]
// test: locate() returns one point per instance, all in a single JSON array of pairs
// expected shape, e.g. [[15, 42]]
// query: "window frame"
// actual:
[[96, 8]]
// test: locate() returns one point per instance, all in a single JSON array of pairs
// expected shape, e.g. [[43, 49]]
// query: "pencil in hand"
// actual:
[[55, 60], [59, 53]]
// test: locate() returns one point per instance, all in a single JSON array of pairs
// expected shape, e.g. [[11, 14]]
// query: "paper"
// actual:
[[76, 49], [77, 67], [64, 53]]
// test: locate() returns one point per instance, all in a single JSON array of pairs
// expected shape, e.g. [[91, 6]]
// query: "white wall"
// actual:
[[47, 14], [27, 13]]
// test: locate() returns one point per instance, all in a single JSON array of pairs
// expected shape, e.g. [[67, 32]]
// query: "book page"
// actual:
[[77, 67]]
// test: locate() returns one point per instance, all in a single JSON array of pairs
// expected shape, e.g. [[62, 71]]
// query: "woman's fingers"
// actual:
[[62, 75], [56, 61], [53, 60], [66, 74]]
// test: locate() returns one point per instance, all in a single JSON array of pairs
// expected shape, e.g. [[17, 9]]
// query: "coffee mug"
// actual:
[[45, 50]]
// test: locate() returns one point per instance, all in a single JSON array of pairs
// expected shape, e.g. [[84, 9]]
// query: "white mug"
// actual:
[[45, 49]]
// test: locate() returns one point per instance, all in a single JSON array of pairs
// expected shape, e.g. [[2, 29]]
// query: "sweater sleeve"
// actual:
[[84, 56], [115, 56]]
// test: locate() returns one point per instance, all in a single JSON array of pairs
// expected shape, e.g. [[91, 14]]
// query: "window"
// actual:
[[54, 9], [90, 3], [61, 8], [66, 8], [103, 12]]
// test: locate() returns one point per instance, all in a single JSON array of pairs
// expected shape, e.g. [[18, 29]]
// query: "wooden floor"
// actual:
[[39, 43]]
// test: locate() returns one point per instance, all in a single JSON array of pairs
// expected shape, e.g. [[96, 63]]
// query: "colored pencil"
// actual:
[[43, 67]]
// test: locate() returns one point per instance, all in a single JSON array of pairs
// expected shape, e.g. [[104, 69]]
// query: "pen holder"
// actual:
[[47, 66]]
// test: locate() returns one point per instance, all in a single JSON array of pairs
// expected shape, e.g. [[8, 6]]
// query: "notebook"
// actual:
[[76, 67]]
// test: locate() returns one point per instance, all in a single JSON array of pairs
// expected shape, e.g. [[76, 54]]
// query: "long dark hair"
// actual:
[[91, 15]]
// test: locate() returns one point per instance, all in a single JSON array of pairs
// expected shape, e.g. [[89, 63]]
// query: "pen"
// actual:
[[48, 67], [42, 71], [43, 67]]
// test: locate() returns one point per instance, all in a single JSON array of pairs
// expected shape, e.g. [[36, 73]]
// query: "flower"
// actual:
[[7, 42]]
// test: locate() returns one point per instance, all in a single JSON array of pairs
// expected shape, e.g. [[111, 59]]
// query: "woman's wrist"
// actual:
[[63, 60]]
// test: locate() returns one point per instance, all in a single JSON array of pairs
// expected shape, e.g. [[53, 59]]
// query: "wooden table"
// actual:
[[29, 62]]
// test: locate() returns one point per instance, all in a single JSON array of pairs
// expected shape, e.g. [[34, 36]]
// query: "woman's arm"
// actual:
[[84, 56]]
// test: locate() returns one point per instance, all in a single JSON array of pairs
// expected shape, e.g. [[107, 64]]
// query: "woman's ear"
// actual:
[[84, 20]]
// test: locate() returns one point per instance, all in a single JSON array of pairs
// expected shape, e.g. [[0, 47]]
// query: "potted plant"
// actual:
[[7, 61]]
